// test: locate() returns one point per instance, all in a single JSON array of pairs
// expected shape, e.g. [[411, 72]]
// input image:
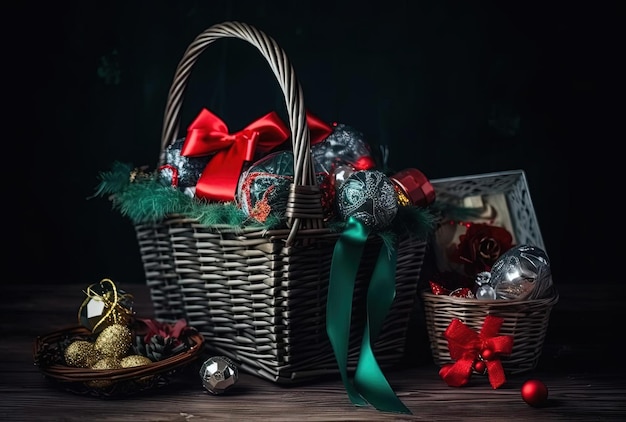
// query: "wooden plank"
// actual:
[[580, 366]]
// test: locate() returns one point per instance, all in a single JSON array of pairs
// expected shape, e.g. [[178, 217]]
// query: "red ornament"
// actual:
[[534, 392], [480, 366], [415, 185], [487, 354]]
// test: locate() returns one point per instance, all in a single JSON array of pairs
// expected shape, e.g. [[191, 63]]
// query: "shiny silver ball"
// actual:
[[522, 273], [218, 374]]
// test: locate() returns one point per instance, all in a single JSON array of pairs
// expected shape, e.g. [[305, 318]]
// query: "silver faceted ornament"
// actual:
[[218, 374], [522, 273]]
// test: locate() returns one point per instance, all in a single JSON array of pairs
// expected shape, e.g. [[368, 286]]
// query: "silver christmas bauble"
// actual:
[[484, 291], [188, 169], [521, 273], [344, 146], [219, 374]]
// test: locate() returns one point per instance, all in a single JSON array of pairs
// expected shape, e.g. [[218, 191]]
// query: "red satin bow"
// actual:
[[208, 134], [473, 351]]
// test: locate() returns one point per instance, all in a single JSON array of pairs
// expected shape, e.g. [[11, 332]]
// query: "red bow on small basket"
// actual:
[[476, 352]]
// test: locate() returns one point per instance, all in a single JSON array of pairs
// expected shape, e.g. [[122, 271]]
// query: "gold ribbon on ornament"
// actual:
[[112, 299]]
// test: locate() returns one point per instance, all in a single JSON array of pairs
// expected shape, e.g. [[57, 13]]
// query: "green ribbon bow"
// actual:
[[370, 385]]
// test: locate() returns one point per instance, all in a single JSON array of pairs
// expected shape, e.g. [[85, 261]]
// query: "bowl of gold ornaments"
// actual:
[[111, 352]]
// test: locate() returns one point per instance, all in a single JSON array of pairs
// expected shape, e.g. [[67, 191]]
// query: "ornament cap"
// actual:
[[415, 185]]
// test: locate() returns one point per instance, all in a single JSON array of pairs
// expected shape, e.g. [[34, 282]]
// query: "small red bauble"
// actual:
[[479, 366], [534, 392], [487, 354]]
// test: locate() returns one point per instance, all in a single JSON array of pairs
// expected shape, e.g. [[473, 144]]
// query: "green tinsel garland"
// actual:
[[144, 198]]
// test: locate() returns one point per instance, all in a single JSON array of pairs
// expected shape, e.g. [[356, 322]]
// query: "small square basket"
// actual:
[[525, 320]]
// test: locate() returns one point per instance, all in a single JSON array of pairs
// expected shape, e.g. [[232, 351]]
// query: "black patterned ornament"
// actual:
[[263, 187], [369, 197], [179, 170]]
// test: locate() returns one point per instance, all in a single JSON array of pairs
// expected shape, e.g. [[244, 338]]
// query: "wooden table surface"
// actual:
[[582, 364]]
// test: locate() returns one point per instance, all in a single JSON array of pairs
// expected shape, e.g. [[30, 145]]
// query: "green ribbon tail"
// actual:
[[369, 379], [345, 264]]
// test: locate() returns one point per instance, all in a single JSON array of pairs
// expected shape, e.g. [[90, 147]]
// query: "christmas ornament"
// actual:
[[181, 171], [105, 305], [219, 374], [81, 353], [131, 361], [341, 174], [369, 197], [264, 187], [114, 341], [344, 146], [464, 292], [534, 392], [484, 290], [522, 273], [106, 363], [476, 352], [413, 188]]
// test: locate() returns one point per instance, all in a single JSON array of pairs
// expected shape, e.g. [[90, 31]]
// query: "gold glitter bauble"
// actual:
[[135, 360], [105, 363], [81, 353], [114, 341], [131, 361]]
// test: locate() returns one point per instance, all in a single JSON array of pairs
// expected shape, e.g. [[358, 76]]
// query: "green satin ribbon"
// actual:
[[370, 385]]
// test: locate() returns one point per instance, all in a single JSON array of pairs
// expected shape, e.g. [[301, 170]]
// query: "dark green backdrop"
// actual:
[[452, 88]]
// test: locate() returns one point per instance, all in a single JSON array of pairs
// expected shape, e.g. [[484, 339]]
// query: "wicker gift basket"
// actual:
[[259, 295], [524, 320], [49, 356]]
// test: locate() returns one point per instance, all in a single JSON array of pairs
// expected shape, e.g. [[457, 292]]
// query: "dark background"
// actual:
[[452, 88]]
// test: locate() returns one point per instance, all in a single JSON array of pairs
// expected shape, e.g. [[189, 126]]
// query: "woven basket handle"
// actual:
[[304, 206]]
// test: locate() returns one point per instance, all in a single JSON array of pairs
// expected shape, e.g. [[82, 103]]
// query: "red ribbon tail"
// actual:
[[456, 374], [496, 373]]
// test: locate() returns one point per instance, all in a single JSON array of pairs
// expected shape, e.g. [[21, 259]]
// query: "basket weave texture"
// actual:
[[259, 296], [524, 320], [48, 355]]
